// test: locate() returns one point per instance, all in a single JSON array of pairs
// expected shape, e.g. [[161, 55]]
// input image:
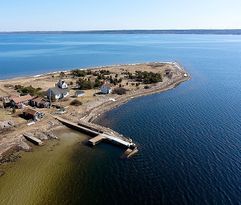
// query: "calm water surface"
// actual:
[[189, 137]]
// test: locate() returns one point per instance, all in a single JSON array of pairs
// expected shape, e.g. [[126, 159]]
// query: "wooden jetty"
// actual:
[[101, 134], [33, 139]]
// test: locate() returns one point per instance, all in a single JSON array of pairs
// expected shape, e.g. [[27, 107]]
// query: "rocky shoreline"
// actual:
[[19, 143]]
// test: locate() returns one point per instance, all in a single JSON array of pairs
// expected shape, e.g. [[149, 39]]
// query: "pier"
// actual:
[[100, 134], [97, 139]]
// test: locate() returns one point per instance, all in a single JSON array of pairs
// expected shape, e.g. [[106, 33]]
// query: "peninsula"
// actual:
[[32, 107]]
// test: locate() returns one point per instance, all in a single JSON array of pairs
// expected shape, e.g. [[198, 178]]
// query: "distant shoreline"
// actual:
[[138, 31], [68, 70]]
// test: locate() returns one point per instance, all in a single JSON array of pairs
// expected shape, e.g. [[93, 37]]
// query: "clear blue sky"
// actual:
[[25, 15]]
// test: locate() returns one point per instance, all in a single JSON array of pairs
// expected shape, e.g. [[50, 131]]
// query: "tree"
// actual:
[[97, 83], [84, 84], [78, 73], [62, 74]]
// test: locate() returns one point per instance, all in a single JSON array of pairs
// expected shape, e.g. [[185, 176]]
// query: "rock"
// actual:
[[6, 124], [42, 136], [52, 135], [24, 146]]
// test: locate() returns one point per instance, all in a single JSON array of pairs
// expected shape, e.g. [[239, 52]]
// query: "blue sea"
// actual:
[[189, 137]]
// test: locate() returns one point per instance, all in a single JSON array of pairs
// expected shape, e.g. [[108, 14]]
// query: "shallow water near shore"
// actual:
[[189, 137], [34, 178]]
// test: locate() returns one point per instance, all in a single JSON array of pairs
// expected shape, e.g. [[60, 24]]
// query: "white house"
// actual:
[[57, 93], [105, 88], [62, 84]]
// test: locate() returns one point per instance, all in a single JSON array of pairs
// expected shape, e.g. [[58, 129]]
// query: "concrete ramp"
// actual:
[[33, 139], [97, 139]]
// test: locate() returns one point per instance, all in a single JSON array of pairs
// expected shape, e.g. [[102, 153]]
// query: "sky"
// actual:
[[74, 15]]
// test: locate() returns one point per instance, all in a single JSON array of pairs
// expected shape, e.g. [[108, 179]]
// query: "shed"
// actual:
[[29, 113], [79, 93]]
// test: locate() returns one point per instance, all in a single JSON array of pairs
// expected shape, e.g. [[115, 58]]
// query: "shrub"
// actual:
[[62, 74], [76, 103], [84, 84], [28, 90], [105, 72], [97, 83], [78, 73], [119, 91]]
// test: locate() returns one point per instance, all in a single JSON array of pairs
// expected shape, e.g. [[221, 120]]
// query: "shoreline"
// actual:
[[95, 112]]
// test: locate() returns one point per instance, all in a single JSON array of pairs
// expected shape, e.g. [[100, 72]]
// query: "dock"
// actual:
[[100, 134], [99, 138], [33, 139], [129, 152]]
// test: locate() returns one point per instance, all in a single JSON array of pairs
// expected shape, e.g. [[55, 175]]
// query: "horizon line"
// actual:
[[157, 31]]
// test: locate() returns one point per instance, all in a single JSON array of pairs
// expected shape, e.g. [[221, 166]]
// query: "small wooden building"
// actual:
[[79, 93], [39, 102], [29, 113]]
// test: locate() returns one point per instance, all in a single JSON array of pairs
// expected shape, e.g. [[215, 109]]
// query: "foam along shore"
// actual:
[[92, 106]]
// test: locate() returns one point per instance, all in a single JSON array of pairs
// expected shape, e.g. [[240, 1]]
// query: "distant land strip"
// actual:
[[190, 31]]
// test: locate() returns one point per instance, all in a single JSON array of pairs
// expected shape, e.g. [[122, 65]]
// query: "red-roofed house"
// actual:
[[20, 101]]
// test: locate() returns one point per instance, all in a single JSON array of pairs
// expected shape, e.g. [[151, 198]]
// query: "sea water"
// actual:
[[189, 137]]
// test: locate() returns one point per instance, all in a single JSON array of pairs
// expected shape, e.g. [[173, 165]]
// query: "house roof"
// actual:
[[30, 111], [58, 91], [38, 99], [107, 85], [21, 99]]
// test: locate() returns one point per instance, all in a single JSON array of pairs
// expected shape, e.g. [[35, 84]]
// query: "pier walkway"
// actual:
[[98, 134]]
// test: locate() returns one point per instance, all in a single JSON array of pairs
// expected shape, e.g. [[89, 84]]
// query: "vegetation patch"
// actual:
[[119, 91], [76, 103], [28, 90]]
